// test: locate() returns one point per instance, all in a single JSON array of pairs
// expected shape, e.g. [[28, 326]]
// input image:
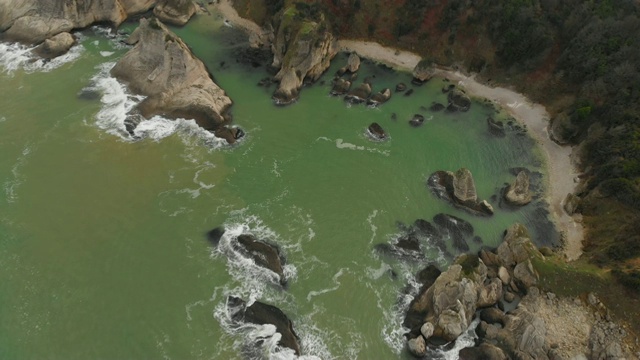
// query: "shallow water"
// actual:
[[102, 245]]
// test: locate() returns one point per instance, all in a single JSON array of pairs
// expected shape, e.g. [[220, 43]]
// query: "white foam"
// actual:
[[372, 226], [336, 281], [106, 53], [14, 56], [2, 119], [341, 144], [11, 185], [117, 106]]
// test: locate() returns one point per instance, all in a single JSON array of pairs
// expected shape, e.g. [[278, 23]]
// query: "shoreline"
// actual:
[[534, 116]]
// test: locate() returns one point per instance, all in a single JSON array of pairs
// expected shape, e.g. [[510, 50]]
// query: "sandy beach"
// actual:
[[561, 170]]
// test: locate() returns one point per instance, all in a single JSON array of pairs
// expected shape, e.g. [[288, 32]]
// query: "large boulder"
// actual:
[[55, 46], [176, 84], [263, 254], [458, 100], [340, 87], [459, 189], [33, 21], [376, 132], [175, 12], [261, 314], [302, 49], [518, 193], [423, 72], [359, 94], [380, 97], [484, 351]]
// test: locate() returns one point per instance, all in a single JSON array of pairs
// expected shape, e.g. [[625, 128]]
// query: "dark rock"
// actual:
[[261, 314], [458, 100], [376, 132], [496, 128], [380, 98], [89, 93], [409, 242], [215, 235], [426, 228], [340, 87], [447, 88], [417, 120], [458, 229], [492, 316], [459, 189], [359, 94], [263, 254], [427, 276], [409, 92], [401, 87], [436, 107], [394, 116]]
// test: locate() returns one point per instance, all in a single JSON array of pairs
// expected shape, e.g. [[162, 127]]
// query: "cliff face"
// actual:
[[302, 49], [33, 21], [176, 83]]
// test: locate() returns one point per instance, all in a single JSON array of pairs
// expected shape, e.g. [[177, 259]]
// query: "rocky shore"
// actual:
[[517, 319]]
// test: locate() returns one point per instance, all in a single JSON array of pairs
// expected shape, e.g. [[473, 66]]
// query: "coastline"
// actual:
[[534, 116]]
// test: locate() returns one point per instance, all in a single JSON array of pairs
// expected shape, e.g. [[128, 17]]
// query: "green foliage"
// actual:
[[631, 279]]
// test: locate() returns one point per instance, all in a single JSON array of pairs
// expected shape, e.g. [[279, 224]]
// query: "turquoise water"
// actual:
[[102, 246]]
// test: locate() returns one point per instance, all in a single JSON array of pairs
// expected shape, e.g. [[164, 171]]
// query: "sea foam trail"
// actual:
[[117, 108], [14, 56]]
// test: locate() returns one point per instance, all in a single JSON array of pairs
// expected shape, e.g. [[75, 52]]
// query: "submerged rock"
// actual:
[[436, 107], [176, 84], [261, 314], [175, 12], [458, 229], [496, 128], [401, 87]]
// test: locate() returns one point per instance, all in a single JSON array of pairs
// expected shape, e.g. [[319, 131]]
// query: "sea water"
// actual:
[[103, 253]]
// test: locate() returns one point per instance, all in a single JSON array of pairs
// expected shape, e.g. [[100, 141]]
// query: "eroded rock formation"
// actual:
[[175, 83], [302, 50], [459, 189]]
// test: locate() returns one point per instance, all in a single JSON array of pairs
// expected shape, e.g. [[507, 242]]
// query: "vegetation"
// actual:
[[581, 58]]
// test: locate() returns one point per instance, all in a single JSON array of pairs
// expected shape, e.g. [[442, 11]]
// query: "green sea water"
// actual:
[[103, 252]]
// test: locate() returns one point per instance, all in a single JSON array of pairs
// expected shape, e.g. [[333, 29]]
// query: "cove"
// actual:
[[102, 239]]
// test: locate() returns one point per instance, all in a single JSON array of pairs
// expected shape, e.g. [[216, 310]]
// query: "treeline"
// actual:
[[584, 51]]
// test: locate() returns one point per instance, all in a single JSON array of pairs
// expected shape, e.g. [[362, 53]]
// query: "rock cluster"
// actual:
[[458, 100], [176, 84], [460, 190], [445, 309], [175, 12]]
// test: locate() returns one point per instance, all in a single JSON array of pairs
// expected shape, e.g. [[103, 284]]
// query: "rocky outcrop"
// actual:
[[359, 94], [376, 132], [175, 12], [340, 87], [260, 313], [458, 101], [55, 46], [263, 254], [33, 21], [302, 51], [379, 98], [459, 189], [518, 193], [353, 65], [571, 203], [423, 72], [176, 84], [416, 120], [446, 308]]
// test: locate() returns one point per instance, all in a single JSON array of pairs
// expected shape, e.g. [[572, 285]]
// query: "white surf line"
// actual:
[[336, 281]]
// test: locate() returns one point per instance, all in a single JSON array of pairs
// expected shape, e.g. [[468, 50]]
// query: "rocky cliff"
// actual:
[[176, 83], [302, 50]]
